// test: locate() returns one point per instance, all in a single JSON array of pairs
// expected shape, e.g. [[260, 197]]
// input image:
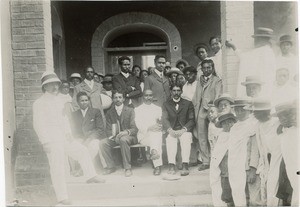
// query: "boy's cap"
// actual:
[[225, 117]]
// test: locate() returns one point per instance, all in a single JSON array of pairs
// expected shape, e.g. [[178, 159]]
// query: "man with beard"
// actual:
[[157, 82], [127, 83]]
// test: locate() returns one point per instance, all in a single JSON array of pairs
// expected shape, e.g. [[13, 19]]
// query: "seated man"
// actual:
[[88, 125], [120, 130], [178, 120], [148, 122]]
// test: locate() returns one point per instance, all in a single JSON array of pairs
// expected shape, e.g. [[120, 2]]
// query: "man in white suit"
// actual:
[[54, 133]]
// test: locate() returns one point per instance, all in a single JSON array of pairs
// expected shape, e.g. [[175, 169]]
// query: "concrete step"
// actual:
[[141, 184], [186, 200]]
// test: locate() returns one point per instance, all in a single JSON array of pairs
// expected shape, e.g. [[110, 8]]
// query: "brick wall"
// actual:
[[32, 55], [237, 24]]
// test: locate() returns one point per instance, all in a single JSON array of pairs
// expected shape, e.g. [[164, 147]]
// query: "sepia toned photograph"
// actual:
[[150, 103]]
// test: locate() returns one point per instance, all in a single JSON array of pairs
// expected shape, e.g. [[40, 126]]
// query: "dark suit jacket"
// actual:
[[121, 83], [90, 126], [160, 88], [126, 120], [185, 114]]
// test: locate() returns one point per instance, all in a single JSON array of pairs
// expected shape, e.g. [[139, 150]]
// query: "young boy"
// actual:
[[240, 168], [219, 162], [213, 131]]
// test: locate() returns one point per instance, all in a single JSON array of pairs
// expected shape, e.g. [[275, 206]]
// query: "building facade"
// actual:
[[67, 36]]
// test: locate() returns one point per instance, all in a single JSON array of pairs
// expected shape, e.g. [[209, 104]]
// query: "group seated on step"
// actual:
[[146, 124]]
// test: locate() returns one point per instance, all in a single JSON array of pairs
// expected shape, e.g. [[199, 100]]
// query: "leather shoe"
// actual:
[[128, 172], [203, 167], [185, 170], [157, 171], [66, 202], [172, 169], [96, 179], [109, 171]]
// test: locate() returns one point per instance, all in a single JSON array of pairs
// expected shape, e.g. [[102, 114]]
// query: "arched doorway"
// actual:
[[154, 35]]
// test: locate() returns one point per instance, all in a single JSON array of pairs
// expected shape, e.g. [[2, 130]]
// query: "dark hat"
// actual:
[[174, 70], [201, 45], [285, 38], [168, 64], [192, 69], [225, 117], [107, 79], [263, 32], [259, 105], [224, 96], [252, 80], [182, 61], [241, 102]]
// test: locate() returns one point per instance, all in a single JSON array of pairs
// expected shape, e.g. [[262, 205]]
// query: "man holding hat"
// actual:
[[259, 61], [289, 139], [54, 133]]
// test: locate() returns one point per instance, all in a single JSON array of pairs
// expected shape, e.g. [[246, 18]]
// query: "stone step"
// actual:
[[141, 184], [185, 200]]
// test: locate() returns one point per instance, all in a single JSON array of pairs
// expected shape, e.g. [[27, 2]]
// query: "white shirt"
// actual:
[[146, 116], [217, 58], [188, 90], [290, 62], [160, 74], [84, 111], [126, 75], [119, 109], [176, 101], [89, 83]]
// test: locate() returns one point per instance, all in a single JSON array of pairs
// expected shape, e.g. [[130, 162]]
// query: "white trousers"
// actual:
[[94, 147], [185, 143], [215, 184], [56, 153], [154, 141]]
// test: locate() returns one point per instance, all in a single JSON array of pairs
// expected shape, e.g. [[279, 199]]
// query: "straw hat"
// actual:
[[76, 75], [285, 38], [224, 96], [49, 77], [252, 80], [259, 105], [174, 70], [263, 32], [241, 102]]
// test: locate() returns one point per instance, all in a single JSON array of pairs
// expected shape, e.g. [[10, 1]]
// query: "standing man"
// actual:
[[93, 90], [148, 122], [120, 130], [127, 83], [54, 133], [158, 83], [201, 50], [208, 90], [178, 120]]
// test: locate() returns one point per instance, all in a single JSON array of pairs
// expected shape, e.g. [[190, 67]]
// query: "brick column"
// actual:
[[237, 24], [32, 55]]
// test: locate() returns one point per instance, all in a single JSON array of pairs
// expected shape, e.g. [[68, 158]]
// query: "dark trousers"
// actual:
[[106, 146]]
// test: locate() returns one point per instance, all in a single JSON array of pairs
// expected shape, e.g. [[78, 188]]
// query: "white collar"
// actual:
[[119, 108], [160, 74], [126, 75], [176, 101], [83, 111], [207, 78]]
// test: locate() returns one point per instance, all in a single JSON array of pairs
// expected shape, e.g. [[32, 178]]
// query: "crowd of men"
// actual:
[[249, 142]]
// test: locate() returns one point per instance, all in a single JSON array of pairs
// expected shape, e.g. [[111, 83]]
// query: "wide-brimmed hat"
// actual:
[[76, 75], [49, 77], [224, 117], [286, 38], [182, 61], [174, 70], [241, 102], [259, 105], [224, 96], [192, 69], [263, 32], [252, 80], [285, 106], [107, 79]]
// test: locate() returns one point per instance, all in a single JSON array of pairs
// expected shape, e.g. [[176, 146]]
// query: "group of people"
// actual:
[[249, 143]]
